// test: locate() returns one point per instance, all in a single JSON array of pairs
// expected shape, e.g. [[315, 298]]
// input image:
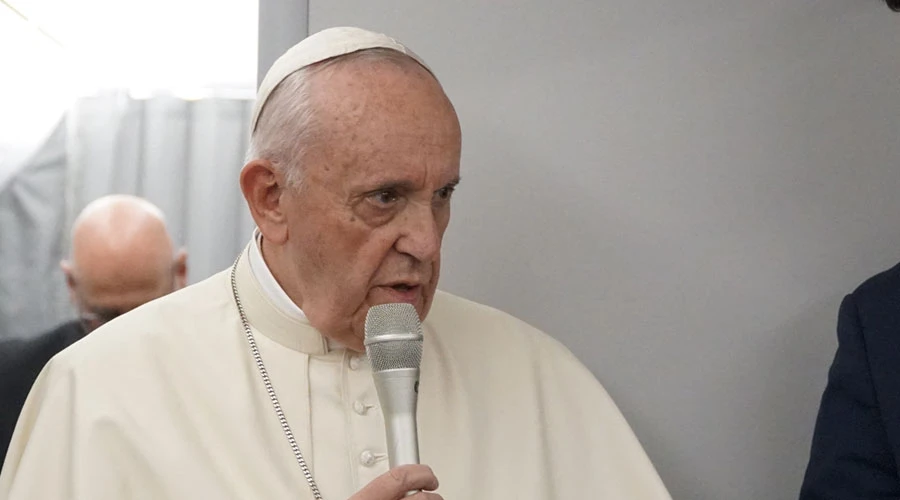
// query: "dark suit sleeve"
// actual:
[[850, 456], [21, 360], [15, 381]]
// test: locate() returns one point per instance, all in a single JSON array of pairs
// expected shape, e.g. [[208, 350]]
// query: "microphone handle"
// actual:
[[398, 395], [403, 442]]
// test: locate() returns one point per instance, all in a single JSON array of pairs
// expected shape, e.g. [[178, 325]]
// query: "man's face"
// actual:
[[101, 293], [365, 227], [96, 307]]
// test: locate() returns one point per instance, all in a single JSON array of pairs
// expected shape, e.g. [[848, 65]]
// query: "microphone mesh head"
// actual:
[[393, 337]]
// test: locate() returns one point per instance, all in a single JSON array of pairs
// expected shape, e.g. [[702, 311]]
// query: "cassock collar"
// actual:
[[291, 331]]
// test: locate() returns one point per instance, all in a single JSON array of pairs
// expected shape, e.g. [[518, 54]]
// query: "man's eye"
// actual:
[[445, 193], [385, 197]]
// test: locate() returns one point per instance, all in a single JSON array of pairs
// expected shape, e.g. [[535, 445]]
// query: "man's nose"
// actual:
[[421, 233]]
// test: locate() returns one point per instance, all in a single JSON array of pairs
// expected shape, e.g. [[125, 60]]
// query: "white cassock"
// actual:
[[166, 402]]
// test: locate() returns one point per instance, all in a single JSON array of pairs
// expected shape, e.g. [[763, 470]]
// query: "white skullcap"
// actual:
[[326, 44]]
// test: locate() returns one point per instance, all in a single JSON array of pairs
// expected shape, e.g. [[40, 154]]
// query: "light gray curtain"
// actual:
[[184, 156], [32, 213]]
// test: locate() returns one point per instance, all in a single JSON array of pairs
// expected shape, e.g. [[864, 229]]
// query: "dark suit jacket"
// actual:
[[21, 360], [856, 445]]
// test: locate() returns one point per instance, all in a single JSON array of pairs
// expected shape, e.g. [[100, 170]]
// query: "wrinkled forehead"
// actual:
[[377, 115], [121, 275], [395, 92]]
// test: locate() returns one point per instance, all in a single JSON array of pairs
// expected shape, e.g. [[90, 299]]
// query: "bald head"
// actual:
[[122, 256]]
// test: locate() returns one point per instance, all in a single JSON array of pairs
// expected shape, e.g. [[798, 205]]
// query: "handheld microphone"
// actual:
[[394, 346]]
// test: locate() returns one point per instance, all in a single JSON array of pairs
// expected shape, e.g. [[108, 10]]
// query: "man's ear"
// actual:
[[66, 267], [263, 187], [180, 269]]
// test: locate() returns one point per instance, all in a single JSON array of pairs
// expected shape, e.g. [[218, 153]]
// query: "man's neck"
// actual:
[[285, 298], [271, 287], [273, 259]]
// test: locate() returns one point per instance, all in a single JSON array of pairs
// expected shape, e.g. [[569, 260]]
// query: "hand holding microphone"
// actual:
[[397, 483]]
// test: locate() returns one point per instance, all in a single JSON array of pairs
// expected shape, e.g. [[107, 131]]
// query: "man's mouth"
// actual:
[[403, 291]]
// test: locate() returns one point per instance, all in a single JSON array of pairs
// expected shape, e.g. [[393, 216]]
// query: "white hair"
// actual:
[[287, 124], [284, 126]]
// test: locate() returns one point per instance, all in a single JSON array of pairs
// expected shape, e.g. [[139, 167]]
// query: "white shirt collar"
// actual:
[[268, 283]]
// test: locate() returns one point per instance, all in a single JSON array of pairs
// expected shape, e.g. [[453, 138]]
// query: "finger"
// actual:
[[422, 495], [395, 483], [413, 477]]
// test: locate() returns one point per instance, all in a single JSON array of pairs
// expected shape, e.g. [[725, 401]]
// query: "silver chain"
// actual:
[[271, 390]]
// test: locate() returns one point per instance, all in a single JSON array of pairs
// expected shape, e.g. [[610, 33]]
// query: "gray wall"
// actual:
[[681, 192]]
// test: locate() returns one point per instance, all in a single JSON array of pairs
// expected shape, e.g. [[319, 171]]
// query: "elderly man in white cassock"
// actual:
[[254, 384]]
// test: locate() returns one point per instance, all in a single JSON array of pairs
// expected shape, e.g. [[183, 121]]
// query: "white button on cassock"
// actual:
[[367, 458], [355, 361], [360, 408]]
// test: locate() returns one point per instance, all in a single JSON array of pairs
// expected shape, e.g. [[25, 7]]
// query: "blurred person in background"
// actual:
[[121, 257]]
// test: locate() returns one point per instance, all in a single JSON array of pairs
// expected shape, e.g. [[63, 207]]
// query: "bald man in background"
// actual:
[[122, 257]]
